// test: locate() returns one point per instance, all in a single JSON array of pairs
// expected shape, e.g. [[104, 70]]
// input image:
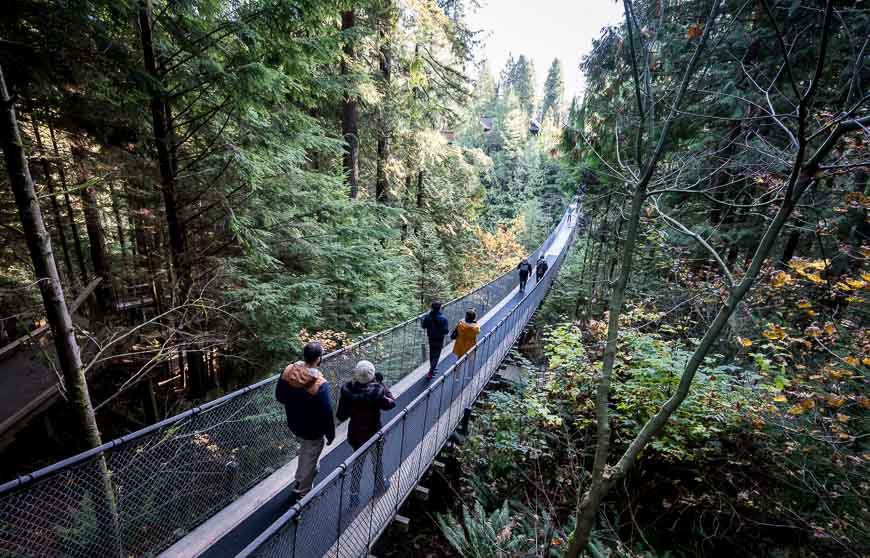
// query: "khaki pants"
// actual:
[[309, 453]]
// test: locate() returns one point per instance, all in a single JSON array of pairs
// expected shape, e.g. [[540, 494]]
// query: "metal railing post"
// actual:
[[405, 329], [401, 460], [424, 434], [339, 530]]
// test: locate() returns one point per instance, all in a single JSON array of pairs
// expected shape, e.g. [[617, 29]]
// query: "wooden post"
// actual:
[[149, 401]]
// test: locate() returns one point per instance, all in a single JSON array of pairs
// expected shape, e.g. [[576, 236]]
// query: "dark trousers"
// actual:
[[436, 344], [538, 277], [523, 279], [377, 453]]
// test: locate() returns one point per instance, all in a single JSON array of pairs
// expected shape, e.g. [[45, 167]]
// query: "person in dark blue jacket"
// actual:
[[525, 269], [305, 394], [437, 328]]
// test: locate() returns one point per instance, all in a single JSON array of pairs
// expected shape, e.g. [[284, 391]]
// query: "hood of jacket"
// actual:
[[299, 376], [371, 392], [465, 325]]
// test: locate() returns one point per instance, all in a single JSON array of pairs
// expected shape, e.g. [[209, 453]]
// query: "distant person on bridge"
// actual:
[[305, 394], [437, 328], [541, 268], [362, 400], [525, 269], [465, 334]]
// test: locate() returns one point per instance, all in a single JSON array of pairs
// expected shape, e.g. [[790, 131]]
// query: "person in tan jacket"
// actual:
[[465, 334], [305, 394]]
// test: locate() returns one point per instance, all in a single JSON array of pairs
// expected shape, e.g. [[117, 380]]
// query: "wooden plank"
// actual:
[[40, 330], [402, 522], [421, 493]]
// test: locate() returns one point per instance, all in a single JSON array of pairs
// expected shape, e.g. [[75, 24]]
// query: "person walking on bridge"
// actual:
[[465, 334], [305, 394], [525, 269], [541, 268], [362, 400], [437, 328]]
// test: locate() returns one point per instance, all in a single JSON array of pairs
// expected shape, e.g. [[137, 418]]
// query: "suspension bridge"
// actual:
[[216, 480]]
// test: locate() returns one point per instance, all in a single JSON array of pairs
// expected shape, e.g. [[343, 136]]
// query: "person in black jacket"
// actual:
[[362, 400], [541, 269], [525, 269], [437, 328], [305, 394]]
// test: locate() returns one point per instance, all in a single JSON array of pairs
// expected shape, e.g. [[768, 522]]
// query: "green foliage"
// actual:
[[480, 535]]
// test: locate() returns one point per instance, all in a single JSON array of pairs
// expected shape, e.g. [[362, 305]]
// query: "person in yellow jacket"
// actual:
[[465, 334]]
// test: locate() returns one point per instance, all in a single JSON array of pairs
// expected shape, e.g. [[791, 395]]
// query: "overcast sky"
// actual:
[[543, 30]]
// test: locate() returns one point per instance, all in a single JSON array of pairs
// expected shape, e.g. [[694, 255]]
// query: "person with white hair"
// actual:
[[362, 399]]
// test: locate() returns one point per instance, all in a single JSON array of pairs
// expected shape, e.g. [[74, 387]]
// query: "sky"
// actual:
[[543, 30]]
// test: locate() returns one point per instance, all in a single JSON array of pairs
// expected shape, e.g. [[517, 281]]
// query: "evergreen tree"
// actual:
[[554, 93]]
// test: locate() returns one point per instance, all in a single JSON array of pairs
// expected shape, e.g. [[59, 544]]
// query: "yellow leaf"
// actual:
[[808, 404], [864, 402], [774, 332], [815, 278], [804, 304], [796, 410], [851, 361], [758, 423], [830, 329], [842, 418], [780, 398], [855, 284], [744, 342], [837, 374], [834, 401], [843, 435], [866, 361], [813, 331], [694, 31], [780, 279]]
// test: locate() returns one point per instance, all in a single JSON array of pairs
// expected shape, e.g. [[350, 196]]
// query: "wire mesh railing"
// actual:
[[166, 479], [345, 513]]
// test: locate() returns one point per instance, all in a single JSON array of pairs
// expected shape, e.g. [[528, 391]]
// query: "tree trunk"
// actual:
[[77, 240], [75, 386], [382, 185], [350, 114], [420, 200], [789, 250], [55, 207], [116, 211], [160, 118], [420, 192], [96, 236]]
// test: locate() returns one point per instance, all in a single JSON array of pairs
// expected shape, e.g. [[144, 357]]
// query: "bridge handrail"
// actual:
[[33, 506], [282, 536]]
